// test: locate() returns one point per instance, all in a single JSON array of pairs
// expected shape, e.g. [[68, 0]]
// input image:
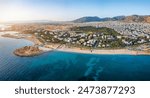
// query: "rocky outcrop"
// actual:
[[147, 19], [28, 51], [134, 18]]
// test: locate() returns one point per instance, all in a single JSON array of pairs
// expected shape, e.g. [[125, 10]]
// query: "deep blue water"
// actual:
[[60, 66]]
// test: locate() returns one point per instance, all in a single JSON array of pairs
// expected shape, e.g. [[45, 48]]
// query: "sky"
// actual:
[[66, 10]]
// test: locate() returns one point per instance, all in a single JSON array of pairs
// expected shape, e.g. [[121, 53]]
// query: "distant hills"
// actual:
[[137, 18], [87, 19], [133, 18]]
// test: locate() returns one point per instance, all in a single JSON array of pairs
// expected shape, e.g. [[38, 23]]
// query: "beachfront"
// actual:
[[58, 47]]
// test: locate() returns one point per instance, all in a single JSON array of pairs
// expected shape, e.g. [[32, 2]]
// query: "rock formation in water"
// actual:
[[28, 51]]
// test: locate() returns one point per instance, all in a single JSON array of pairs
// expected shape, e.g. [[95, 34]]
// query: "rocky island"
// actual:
[[28, 51]]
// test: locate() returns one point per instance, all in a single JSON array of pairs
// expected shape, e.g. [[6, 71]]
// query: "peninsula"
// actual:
[[28, 51]]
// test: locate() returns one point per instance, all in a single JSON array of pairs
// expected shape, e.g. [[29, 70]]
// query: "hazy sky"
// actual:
[[69, 9]]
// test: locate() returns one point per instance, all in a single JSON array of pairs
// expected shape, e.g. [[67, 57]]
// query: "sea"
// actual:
[[69, 66]]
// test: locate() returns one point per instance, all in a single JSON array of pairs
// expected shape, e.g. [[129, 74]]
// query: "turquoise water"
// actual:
[[60, 66]]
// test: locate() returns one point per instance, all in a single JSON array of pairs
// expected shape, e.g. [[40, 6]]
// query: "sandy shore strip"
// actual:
[[59, 47], [103, 51], [117, 51]]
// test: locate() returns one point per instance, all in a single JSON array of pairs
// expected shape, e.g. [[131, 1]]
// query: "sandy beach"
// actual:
[[64, 48], [104, 51]]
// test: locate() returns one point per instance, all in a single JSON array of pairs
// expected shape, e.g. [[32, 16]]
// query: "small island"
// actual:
[[28, 51]]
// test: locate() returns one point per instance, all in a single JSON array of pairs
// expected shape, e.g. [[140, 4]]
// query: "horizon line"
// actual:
[[54, 20]]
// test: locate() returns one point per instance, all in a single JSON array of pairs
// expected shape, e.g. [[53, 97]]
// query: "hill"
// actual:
[[133, 18], [87, 19]]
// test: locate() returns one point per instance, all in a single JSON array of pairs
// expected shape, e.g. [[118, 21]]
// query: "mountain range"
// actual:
[[132, 18]]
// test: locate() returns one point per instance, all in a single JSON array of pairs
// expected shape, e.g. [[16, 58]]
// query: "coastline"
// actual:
[[65, 48], [106, 51], [58, 47]]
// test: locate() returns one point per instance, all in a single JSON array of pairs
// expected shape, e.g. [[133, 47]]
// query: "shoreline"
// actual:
[[102, 51], [59, 47], [65, 48]]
